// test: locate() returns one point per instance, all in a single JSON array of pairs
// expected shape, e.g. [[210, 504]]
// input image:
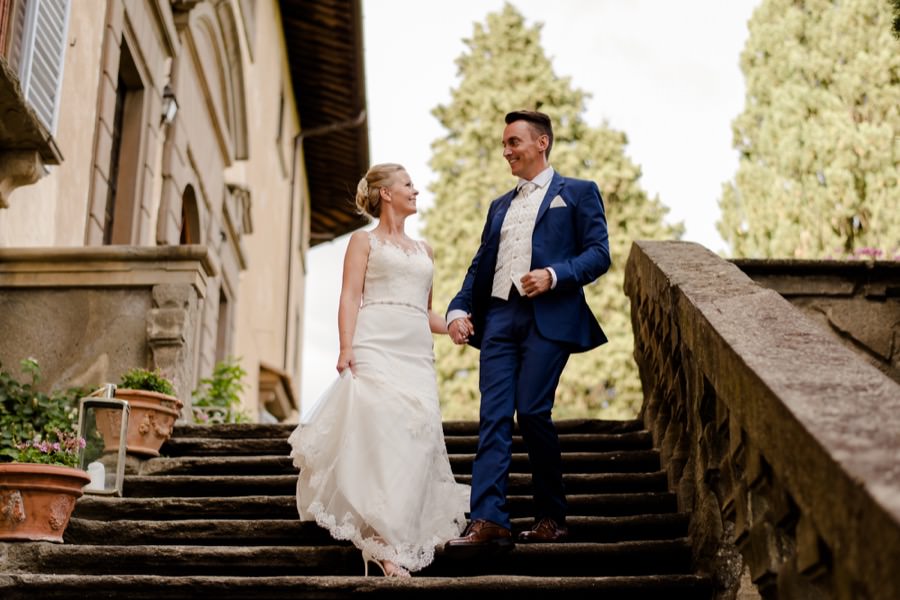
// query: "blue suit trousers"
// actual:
[[519, 372]]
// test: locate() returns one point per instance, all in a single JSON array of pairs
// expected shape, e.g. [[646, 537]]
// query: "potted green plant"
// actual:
[[39, 449], [217, 399], [154, 410]]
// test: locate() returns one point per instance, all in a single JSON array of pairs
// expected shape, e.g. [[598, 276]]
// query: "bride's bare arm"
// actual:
[[435, 321], [351, 294]]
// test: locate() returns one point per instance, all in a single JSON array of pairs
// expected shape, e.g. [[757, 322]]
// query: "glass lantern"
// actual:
[[103, 424]]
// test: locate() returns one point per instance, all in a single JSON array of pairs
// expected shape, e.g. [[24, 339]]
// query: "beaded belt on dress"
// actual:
[[395, 303]]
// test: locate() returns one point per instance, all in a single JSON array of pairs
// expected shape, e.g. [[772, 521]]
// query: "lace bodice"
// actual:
[[397, 276]]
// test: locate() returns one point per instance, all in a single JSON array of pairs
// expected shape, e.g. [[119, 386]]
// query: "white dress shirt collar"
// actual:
[[541, 180]]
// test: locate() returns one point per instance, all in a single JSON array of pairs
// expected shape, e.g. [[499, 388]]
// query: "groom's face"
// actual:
[[524, 149]]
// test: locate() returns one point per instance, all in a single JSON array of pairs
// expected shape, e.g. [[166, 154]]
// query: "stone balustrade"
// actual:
[[90, 314], [857, 301], [783, 444]]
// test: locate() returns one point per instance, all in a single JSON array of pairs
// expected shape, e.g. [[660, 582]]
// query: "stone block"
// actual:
[[782, 508], [796, 586], [727, 484], [742, 516], [761, 552], [868, 323], [84, 337], [755, 466], [166, 326], [173, 296], [810, 549], [735, 436]]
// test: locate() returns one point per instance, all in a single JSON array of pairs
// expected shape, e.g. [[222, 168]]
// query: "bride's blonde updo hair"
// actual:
[[368, 197]]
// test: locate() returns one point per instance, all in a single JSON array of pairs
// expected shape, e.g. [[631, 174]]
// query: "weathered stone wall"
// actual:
[[89, 314], [781, 442], [857, 301]]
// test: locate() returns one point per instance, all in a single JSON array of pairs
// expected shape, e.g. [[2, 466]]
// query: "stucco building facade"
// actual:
[[165, 166]]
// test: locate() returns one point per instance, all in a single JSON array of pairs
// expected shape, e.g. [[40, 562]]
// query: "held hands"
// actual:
[[460, 330], [346, 360], [536, 282]]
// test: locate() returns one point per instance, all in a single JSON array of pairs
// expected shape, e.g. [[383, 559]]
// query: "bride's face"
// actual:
[[402, 194]]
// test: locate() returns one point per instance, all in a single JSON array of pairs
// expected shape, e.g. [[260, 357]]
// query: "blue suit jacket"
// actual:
[[573, 240]]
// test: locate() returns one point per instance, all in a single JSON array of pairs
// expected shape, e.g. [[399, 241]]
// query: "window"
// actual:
[[37, 47], [190, 218], [223, 327], [124, 161]]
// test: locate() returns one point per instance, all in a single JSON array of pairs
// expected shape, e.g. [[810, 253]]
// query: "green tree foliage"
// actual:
[[504, 69], [820, 135], [897, 18]]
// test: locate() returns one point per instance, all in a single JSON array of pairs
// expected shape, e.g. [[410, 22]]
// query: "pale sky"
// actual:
[[666, 73]]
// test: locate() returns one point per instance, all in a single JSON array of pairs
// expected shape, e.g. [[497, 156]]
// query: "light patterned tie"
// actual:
[[526, 189]]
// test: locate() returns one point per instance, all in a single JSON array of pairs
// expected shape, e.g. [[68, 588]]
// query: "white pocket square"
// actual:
[[558, 202]]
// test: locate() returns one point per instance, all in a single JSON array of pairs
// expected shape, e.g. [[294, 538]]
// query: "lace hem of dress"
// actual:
[[412, 557]]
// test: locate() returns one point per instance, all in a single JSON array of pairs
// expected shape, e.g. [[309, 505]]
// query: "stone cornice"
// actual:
[[106, 266]]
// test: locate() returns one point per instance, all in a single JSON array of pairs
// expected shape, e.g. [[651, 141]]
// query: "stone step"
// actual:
[[292, 532], [457, 444], [140, 486], [276, 485], [451, 428], [629, 461], [521, 587], [216, 516], [578, 559], [285, 507]]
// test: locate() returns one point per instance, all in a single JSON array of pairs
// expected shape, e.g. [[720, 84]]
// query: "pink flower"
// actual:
[[873, 252]]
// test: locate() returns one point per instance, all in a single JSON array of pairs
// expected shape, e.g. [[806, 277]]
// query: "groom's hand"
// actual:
[[536, 282], [460, 330]]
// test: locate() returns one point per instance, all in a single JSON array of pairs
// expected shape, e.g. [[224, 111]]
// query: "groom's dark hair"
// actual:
[[539, 122]]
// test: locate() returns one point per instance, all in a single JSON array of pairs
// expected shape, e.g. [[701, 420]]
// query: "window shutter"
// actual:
[[17, 27], [41, 56]]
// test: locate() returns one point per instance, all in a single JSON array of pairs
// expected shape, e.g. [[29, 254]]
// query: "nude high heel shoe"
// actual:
[[391, 570]]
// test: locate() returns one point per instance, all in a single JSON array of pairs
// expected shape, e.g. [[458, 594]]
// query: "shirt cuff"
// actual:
[[553, 277], [455, 314]]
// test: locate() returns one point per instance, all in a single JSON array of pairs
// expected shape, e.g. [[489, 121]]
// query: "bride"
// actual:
[[373, 463]]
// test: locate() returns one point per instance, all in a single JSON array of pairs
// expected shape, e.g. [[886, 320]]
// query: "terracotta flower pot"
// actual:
[[36, 501], [150, 423]]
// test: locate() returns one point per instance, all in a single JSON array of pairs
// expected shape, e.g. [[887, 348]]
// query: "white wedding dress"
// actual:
[[373, 463]]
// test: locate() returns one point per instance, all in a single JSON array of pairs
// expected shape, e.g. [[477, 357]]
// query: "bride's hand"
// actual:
[[460, 330], [346, 360]]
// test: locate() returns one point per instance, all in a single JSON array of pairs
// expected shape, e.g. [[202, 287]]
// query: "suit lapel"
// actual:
[[556, 185]]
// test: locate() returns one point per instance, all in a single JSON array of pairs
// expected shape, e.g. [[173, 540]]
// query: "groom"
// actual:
[[522, 304]]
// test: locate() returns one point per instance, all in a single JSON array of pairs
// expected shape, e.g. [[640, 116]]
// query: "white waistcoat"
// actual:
[[514, 254]]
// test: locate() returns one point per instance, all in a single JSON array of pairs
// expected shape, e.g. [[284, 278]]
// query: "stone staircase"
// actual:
[[215, 517]]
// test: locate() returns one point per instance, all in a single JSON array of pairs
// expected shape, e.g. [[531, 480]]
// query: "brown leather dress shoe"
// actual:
[[544, 530], [480, 535]]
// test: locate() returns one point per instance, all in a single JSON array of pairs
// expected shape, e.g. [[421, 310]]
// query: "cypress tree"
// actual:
[[819, 137], [505, 68], [897, 18]]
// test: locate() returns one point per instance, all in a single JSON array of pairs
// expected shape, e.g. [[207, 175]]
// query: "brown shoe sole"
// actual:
[[478, 549]]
